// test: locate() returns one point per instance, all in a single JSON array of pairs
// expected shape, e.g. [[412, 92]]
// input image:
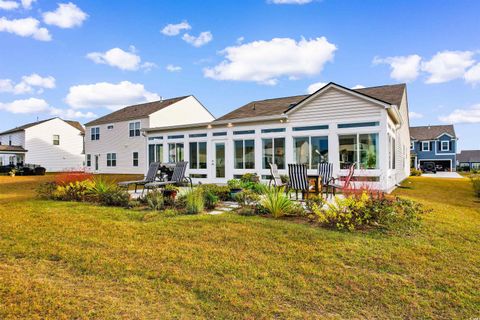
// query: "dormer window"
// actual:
[[134, 129], [445, 146], [425, 145]]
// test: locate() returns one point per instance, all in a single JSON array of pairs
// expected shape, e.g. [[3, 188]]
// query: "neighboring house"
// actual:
[[436, 144], [368, 126], [54, 143], [115, 144], [469, 160]]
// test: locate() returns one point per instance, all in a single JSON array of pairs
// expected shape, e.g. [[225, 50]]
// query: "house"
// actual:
[[368, 127], [55, 144], [468, 160], [114, 143], [437, 144]]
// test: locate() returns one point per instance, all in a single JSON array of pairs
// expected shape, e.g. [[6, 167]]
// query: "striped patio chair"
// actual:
[[275, 178], [298, 179], [325, 170]]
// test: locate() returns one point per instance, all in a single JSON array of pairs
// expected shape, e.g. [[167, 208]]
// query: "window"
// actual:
[[110, 127], [412, 145], [89, 160], [155, 153], [273, 152], [197, 135], [135, 159], [134, 129], [310, 150], [273, 130], [111, 159], [217, 134], [321, 127], [244, 132], [244, 154], [56, 140], [9, 140], [175, 152], [358, 148], [391, 152], [95, 133], [198, 155], [425, 145], [445, 146], [358, 125], [177, 136]]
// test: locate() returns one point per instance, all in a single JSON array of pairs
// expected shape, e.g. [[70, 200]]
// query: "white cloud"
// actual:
[[473, 74], [121, 59], [447, 65], [358, 86], [72, 114], [27, 4], [289, 1], [467, 115], [8, 5], [67, 15], [108, 95], [175, 29], [30, 105], [28, 84], [404, 68], [265, 61], [240, 40], [202, 39], [415, 115], [27, 27], [315, 86], [173, 68]]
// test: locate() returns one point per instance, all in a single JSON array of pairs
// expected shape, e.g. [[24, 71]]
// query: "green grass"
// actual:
[[74, 261]]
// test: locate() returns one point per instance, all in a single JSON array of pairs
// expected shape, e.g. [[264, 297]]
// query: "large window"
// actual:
[[391, 152], [134, 129], [135, 159], [244, 154], [273, 152], [155, 153], [361, 149], [95, 133], [310, 150], [111, 159], [445, 146], [56, 140], [175, 152], [198, 155]]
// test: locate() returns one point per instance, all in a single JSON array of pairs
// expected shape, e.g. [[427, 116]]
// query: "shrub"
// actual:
[[65, 178], [73, 191], [222, 192], [247, 199], [297, 209], [314, 201], [210, 199], [415, 172], [276, 202], [476, 184], [194, 201], [46, 190], [155, 200], [234, 184], [250, 177], [285, 178]]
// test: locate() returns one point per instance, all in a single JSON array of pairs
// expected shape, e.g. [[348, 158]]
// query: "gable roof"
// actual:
[[7, 148], [469, 156], [137, 111], [74, 124], [431, 132], [390, 94]]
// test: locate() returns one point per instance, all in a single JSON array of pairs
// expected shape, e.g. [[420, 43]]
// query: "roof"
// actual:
[[74, 124], [469, 156], [137, 111], [12, 148], [431, 132], [391, 94]]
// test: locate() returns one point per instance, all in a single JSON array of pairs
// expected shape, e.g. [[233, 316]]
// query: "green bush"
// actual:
[[476, 184], [250, 177], [276, 202], [154, 200], [210, 199], [234, 184], [247, 200], [415, 172], [297, 210], [222, 192], [115, 198], [46, 190], [194, 201], [73, 191]]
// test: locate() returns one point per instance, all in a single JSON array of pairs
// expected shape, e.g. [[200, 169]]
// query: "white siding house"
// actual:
[[55, 144], [116, 144], [368, 127]]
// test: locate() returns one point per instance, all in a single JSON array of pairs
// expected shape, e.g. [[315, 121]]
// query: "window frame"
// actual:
[[196, 164], [358, 151], [274, 157], [423, 146], [176, 150], [88, 160], [243, 167], [441, 145], [412, 145], [112, 159], [134, 132], [310, 149], [56, 140], [156, 147], [94, 133], [135, 158]]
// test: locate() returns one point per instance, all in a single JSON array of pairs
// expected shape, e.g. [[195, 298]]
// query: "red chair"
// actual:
[[346, 184]]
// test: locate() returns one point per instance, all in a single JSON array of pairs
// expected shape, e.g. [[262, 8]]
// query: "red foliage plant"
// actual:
[[356, 190], [65, 178]]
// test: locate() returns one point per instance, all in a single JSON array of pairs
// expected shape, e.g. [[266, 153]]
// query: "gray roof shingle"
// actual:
[[431, 132], [469, 156], [133, 112]]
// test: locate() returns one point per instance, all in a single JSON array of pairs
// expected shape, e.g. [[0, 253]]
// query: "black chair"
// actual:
[[178, 177], [275, 176], [150, 177], [325, 170], [298, 179]]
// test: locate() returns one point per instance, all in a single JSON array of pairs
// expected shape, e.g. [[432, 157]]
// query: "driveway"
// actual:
[[450, 175]]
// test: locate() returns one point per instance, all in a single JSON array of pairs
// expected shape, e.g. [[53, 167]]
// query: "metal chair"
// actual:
[[150, 177], [346, 184], [298, 179], [178, 177], [275, 176]]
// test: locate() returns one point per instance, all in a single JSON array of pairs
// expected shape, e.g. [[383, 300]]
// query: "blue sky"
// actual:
[[82, 59]]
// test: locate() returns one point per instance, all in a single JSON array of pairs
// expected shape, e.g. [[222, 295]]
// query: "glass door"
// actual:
[[218, 161]]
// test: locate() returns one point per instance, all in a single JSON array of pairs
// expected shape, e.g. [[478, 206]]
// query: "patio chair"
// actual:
[[298, 179], [178, 177], [336, 183], [150, 177], [275, 177], [325, 170]]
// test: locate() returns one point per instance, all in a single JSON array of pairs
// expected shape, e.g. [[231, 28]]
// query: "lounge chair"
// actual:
[[150, 177], [275, 178], [298, 179], [178, 177]]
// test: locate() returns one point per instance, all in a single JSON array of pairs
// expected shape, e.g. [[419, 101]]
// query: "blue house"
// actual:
[[469, 160], [437, 144]]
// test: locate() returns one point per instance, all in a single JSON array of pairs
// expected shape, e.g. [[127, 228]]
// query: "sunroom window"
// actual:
[[244, 154], [175, 152], [155, 153], [198, 155], [273, 151], [310, 150], [361, 149]]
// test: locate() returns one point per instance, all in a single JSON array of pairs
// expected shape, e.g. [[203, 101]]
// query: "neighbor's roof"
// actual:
[[431, 132], [74, 124], [469, 156], [12, 148], [133, 112]]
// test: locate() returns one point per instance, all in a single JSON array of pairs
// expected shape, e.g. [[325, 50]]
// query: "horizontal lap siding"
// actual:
[[335, 105]]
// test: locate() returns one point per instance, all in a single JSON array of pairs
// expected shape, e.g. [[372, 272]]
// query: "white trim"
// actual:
[[428, 142], [445, 133], [441, 145]]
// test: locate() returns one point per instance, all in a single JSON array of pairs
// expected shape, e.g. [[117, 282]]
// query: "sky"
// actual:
[[83, 59]]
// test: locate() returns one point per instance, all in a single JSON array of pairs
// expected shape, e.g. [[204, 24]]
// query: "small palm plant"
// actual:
[[276, 202]]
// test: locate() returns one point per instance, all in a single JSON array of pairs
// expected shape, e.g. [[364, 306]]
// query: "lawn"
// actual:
[[74, 261]]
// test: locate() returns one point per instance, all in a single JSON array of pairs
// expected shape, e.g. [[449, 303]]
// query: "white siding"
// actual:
[[18, 138], [334, 105], [403, 159], [41, 150], [186, 111]]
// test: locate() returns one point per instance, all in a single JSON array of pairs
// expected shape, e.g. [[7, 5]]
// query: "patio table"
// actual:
[[318, 182]]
